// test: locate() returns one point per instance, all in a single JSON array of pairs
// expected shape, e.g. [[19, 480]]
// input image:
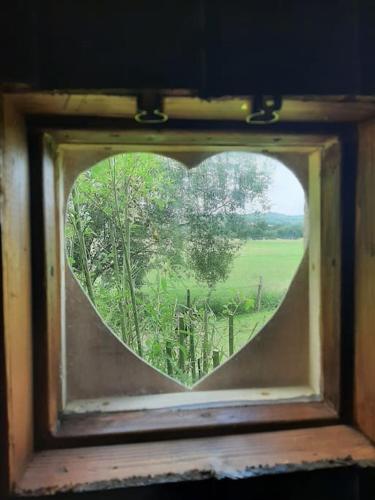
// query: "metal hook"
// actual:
[[264, 110], [150, 108], [262, 118], [154, 116]]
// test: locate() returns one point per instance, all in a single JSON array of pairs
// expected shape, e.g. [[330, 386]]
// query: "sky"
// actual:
[[285, 193]]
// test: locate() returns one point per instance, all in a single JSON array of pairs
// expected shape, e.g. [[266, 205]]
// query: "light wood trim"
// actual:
[[314, 290], [364, 390], [48, 292], [16, 290], [184, 137], [53, 276], [241, 456], [295, 108]]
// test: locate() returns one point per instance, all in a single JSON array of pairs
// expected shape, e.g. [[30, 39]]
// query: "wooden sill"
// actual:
[[172, 423], [240, 456]]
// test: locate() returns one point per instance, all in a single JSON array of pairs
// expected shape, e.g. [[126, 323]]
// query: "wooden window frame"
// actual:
[[55, 432], [24, 451]]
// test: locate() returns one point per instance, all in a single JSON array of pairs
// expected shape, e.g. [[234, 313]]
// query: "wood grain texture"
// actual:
[[330, 272], [92, 468], [186, 134], [147, 425], [53, 277], [180, 107], [314, 270], [365, 283], [16, 290]]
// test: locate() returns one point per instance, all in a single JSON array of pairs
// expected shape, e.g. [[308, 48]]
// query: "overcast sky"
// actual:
[[285, 194]]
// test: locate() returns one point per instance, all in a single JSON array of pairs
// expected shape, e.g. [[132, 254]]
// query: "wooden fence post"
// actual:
[[181, 343], [215, 358], [168, 351], [258, 302], [199, 362], [231, 334]]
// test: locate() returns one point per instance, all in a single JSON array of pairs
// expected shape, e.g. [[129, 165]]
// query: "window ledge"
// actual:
[[192, 421], [241, 456], [208, 399]]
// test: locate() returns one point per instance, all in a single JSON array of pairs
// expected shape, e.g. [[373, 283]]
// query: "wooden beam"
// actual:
[[310, 109]]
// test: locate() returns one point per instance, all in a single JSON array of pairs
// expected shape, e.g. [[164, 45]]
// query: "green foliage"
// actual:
[[213, 195]]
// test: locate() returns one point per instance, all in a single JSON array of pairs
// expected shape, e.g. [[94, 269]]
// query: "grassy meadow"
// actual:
[[276, 261]]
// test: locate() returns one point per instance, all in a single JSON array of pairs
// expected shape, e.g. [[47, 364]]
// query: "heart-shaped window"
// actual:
[[185, 265]]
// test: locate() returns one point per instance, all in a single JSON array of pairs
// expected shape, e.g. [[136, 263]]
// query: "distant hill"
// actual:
[[276, 219], [271, 225]]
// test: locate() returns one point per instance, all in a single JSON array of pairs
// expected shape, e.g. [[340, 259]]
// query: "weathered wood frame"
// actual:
[[23, 440]]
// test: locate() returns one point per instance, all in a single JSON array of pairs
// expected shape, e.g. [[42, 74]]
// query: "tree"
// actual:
[[213, 194]]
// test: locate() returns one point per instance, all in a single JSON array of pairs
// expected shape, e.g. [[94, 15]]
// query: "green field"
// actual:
[[276, 261]]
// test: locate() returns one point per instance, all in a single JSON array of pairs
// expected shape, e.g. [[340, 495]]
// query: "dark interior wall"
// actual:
[[215, 47], [17, 51], [283, 46], [366, 39]]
